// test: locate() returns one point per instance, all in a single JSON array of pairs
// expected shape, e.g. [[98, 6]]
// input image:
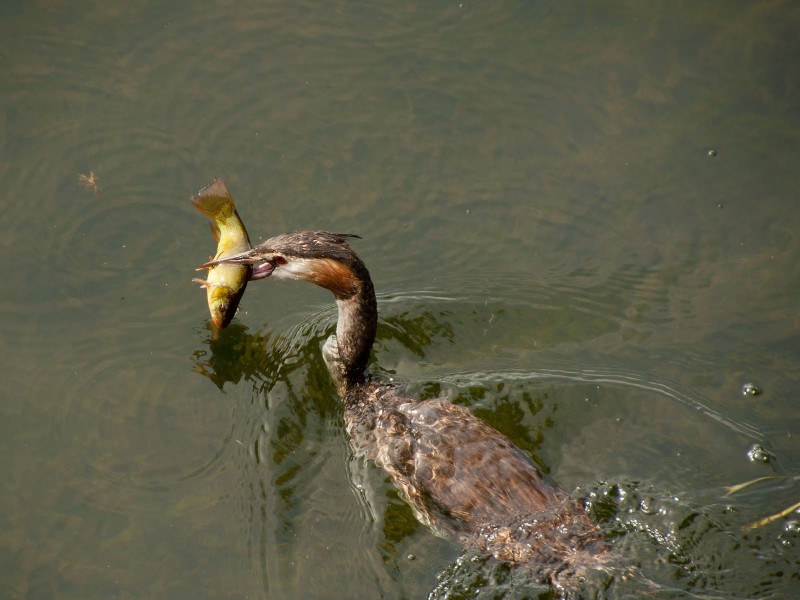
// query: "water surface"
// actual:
[[582, 223]]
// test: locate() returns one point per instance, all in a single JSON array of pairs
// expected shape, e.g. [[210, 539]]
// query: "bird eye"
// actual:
[[280, 260]]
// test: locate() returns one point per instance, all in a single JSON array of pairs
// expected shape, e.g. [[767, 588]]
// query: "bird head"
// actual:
[[323, 258]]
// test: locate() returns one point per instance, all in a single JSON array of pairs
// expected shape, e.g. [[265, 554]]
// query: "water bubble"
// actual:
[[757, 453], [750, 389], [791, 532]]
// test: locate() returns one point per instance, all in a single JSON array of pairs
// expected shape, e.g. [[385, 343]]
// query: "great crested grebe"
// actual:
[[462, 478]]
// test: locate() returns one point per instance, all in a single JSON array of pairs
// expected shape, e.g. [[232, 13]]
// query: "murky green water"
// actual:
[[582, 222]]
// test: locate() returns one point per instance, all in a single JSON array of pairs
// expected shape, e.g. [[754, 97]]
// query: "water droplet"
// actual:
[[757, 453], [750, 389], [791, 532]]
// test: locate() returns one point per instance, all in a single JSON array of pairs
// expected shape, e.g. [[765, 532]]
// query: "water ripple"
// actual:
[[118, 402], [616, 377]]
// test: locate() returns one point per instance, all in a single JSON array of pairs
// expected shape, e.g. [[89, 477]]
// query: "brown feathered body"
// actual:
[[466, 481]]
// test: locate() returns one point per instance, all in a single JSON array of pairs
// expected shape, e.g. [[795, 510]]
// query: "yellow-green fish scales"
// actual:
[[225, 283]]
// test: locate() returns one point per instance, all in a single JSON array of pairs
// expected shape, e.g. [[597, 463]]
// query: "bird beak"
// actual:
[[262, 266]]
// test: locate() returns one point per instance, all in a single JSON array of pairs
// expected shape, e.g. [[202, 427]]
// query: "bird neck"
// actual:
[[347, 354]]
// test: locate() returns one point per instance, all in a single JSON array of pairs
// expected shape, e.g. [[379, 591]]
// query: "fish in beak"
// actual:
[[226, 281], [260, 266]]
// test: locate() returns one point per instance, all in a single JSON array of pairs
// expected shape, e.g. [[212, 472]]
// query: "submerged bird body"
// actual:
[[468, 482], [462, 478], [225, 282]]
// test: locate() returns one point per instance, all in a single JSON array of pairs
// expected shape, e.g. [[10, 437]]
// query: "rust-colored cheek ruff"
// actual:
[[336, 277]]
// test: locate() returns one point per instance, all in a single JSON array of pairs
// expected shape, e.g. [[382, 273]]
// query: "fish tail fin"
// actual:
[[214, 201]]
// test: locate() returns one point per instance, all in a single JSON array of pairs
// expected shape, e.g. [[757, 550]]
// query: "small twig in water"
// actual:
[[89, 181], [732, 489], [770, 519]]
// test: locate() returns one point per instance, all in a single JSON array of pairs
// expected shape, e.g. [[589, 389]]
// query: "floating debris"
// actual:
[[732, 489], [89, 182], [771, 518]]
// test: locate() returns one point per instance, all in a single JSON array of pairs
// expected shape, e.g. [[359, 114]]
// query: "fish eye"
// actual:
[[280, 260]]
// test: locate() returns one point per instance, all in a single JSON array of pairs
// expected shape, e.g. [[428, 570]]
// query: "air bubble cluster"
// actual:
[[757, 453], [750, 389]]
